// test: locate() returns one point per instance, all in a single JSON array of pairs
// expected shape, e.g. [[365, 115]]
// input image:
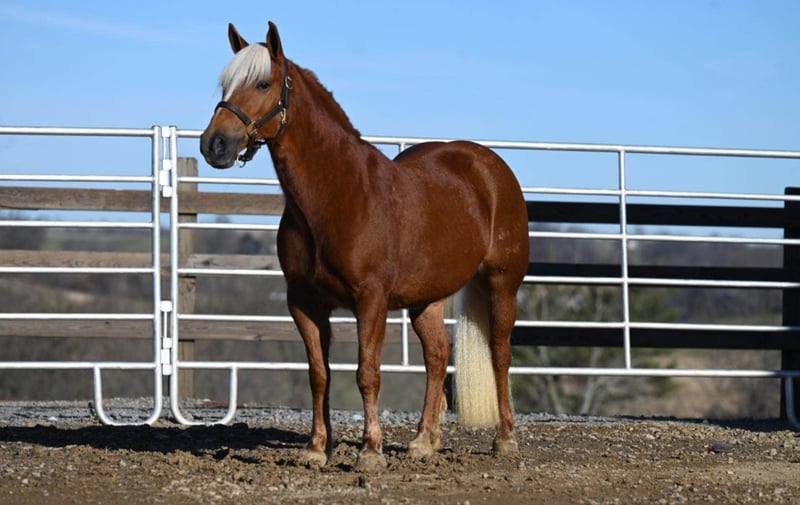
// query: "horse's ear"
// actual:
[[274, 41], [237, 41]]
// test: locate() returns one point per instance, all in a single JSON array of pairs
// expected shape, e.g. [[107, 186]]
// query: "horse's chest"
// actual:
[[308, 263]]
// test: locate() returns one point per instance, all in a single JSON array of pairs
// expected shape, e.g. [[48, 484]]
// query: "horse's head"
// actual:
[[255, 98]]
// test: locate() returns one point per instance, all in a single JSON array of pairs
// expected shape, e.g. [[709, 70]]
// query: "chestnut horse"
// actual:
[[369, 234]]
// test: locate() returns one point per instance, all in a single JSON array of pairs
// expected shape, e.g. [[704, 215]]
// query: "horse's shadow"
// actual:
[[218, 442], [200, 439]]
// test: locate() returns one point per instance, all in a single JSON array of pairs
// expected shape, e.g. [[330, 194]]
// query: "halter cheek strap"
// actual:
[[254, 143]]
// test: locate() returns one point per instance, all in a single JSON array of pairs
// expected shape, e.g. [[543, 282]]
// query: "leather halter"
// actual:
[[252, 126]]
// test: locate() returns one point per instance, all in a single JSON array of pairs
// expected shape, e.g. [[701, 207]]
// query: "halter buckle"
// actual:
[[252, 129]]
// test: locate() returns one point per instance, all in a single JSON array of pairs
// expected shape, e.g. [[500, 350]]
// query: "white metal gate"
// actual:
[[167, 313], [159, 362]]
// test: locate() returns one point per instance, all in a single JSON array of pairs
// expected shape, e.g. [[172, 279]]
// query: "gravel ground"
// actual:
[[133, 410], [57, 453]]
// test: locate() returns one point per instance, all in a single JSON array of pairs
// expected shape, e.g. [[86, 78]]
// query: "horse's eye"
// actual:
[[263, 85]]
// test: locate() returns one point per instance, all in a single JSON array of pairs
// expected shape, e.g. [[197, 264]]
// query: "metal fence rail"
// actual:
[[167, 313]]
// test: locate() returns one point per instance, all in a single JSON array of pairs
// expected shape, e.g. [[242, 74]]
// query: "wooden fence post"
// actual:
[[790, 359], [187, 167]]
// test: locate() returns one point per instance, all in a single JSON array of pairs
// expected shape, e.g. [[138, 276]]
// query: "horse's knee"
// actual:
[[369, 380]]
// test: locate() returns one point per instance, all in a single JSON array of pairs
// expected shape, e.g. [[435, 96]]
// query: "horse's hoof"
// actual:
[[313, 459], [507, 447], [370, 461], [420, 448]]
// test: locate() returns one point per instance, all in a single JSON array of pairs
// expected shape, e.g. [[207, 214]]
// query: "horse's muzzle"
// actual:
[[220, 151]]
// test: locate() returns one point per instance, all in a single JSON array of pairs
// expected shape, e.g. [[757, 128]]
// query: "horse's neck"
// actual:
[[320, 158]]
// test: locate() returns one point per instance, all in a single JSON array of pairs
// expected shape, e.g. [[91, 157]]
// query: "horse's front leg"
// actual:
[[315, 329], [371, 316]]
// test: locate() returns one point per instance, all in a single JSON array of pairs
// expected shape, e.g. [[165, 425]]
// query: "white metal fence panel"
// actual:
[[157, 363]]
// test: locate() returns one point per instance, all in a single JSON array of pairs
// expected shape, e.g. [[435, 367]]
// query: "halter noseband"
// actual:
[[254, 143]]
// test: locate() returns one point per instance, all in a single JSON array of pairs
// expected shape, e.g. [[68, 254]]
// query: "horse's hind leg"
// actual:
[[429, 325], [314, 326], [502, 315]]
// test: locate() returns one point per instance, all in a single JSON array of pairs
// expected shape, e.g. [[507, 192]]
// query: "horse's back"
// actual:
[[484, 168], [467, 171]]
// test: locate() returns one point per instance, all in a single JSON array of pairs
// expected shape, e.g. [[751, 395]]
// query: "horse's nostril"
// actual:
[[218, 145]]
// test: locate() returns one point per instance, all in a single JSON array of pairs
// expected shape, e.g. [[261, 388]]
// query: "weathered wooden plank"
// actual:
[[24, 258], [659, 271], [232, 203], [224, 203], [257, 332], [99, 259], [655, 338], [114, 200], [650, 214], [239, 261], [28, 198], [187, 167], [68, 328], [194, 330], [265, 332], [74, 259]]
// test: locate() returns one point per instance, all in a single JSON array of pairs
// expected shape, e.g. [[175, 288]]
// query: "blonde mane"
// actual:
[[249, 66]]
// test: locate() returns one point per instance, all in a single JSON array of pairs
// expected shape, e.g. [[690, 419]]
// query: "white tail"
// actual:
[[475, 389]]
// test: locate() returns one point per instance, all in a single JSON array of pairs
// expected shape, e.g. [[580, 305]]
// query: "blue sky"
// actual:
[[687, 73]]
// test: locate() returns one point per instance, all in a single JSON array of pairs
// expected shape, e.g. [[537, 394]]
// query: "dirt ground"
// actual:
[[569, 462]]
